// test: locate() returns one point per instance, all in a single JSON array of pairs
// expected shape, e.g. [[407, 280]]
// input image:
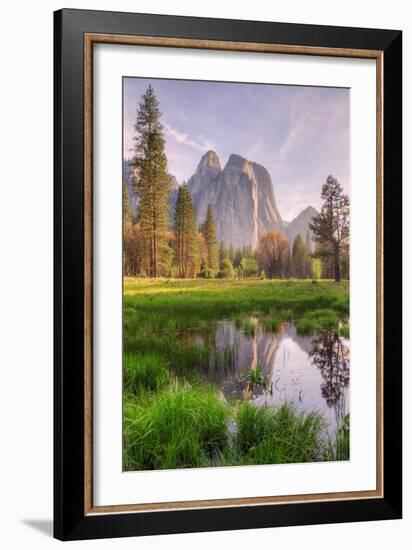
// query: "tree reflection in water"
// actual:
[[331, 355]]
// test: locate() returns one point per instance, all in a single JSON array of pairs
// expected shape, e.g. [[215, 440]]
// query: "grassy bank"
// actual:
[[171, 418], [191, 426], [160, 316]]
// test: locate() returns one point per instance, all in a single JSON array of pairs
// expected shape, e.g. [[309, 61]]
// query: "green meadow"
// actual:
[[172, 417]]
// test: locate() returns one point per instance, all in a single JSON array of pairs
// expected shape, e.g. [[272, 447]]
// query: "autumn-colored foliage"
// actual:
[[273, 249]]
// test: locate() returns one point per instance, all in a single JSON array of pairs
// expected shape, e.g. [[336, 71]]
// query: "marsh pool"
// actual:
[[311, 372]]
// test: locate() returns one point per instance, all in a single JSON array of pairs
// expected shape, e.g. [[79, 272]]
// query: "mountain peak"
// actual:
[[241, 196], [308, 211], [300, 224], [236, 162], [209, 160], [173, 183]]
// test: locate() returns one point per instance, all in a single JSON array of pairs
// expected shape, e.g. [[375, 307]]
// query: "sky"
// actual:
[[300, 134]]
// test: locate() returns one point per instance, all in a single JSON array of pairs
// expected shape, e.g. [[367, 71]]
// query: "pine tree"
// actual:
[[223, 252], [330, 227], [127, 211], [209, 231], [152, 182], [238, 257], [187, 254], [288, 265], [231, 252]]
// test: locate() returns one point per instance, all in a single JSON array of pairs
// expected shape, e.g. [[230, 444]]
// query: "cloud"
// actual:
[[302, 121], [296, 196], [201, 144]]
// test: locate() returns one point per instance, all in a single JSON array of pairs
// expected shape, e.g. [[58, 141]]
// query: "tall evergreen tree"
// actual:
[[127, 210], [331, 226], [187, 254], [238, 257], [209, 232], [152, 182], [288, 264], [231, 252]]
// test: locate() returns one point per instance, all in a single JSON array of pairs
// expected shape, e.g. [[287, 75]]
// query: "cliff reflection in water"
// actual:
[[310, 372]]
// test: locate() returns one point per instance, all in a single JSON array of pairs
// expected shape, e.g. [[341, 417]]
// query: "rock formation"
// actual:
[[242, 197], [300, 224]]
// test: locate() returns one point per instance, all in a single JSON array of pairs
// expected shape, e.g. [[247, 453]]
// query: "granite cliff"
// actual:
[[242, 197]]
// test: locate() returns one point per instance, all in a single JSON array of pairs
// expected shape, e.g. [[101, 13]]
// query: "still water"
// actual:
[[312, 373]]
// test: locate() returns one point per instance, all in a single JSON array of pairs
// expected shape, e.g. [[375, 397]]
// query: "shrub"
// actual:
[[207, 273], [249, 267], [316, 268], [226, 270]]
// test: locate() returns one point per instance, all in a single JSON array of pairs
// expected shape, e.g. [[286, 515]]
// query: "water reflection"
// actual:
[[330, 353], [310, 372]]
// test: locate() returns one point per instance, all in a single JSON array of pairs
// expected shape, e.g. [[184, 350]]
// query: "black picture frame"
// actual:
[[70, 520]]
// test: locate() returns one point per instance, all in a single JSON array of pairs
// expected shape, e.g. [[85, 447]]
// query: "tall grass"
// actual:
[[277, 436], [344, 331], [171, 419], [182, 304], [180, 427], [246, 325], [337, 446], [256, 377], [144, 373], [185, 426], [160, 315], [315, 321], [271, 323]]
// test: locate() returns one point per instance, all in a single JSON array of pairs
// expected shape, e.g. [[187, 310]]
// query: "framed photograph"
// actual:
[[227, 274]]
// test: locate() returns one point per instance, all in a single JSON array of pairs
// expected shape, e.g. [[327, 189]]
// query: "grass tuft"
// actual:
[[271, 323], [246, 325], [144, 373], [316, 321], [344, 331], [180, 427], [277, 436], [337, 448]]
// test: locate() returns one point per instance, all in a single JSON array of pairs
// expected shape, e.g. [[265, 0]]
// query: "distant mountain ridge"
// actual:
[[300, 224], [242, 198]]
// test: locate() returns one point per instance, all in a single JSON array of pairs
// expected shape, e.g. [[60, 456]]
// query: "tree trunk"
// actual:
[[337, 268]]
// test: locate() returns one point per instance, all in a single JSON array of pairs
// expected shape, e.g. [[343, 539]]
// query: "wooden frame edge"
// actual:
[[88, 276], [379, 274], [89, 40], [206, 44]]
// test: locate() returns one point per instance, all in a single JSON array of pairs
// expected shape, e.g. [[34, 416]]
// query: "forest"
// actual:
[[161, 240]]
